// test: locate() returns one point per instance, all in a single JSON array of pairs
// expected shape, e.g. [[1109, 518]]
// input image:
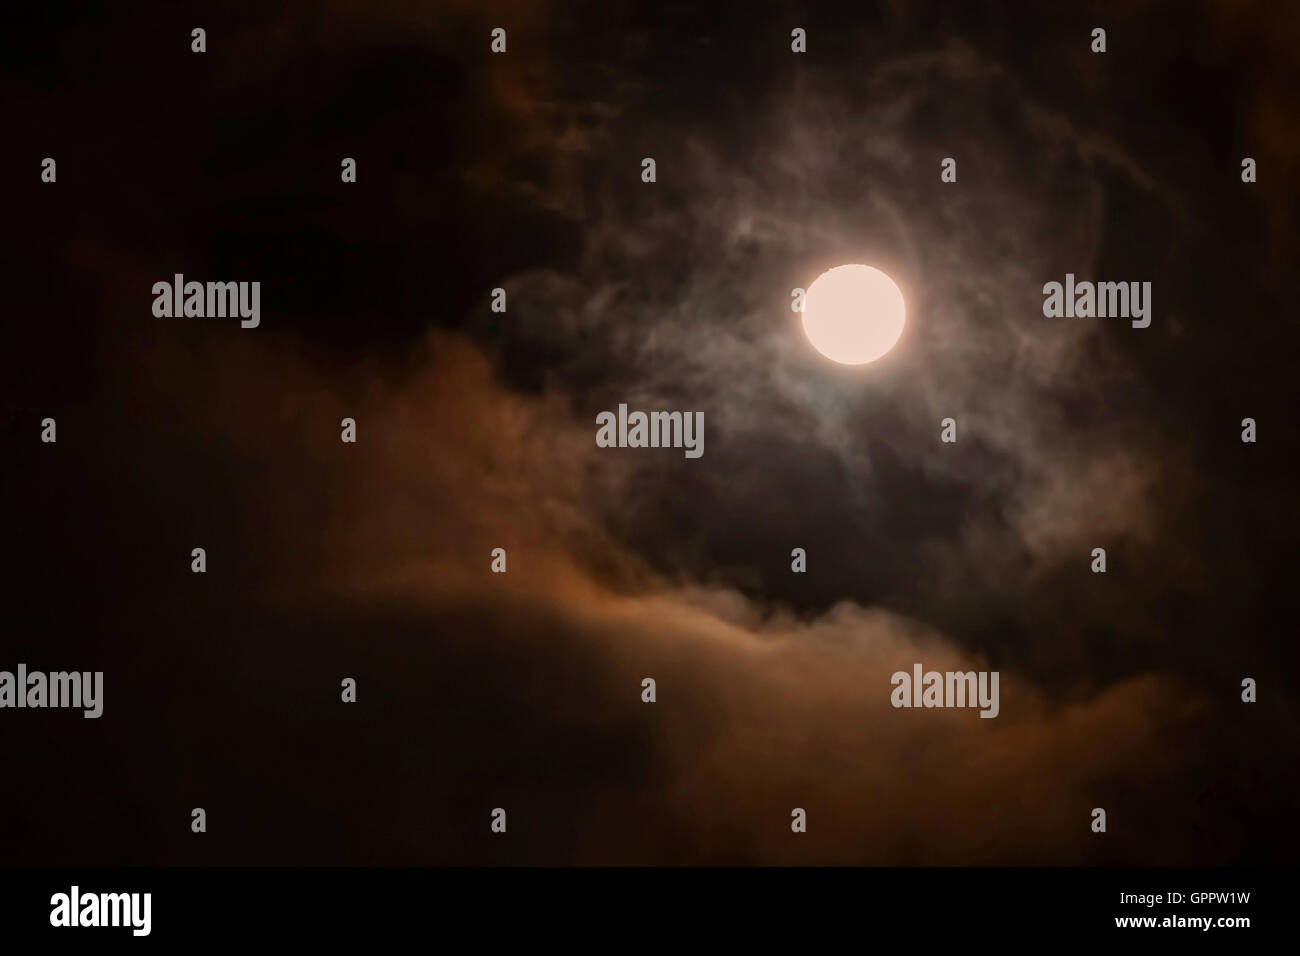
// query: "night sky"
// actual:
[[476, 430]]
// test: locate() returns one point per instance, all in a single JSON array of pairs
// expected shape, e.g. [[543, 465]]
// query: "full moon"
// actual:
[[853, 314]]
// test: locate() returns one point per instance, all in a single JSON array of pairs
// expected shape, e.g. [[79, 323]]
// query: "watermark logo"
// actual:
[[75, 908], [949, 689], [1124, 300], [76, 689], [651, 430], [209, 300]]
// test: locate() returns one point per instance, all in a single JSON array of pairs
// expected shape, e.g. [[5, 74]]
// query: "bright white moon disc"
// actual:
[[853, 314]]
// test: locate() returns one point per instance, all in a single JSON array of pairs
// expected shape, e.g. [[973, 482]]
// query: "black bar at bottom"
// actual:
[[613, 907]]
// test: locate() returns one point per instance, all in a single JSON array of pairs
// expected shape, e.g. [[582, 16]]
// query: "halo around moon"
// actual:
[[853, 314]]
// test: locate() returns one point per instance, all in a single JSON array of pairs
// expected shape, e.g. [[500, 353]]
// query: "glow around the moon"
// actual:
[[853, 314]]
